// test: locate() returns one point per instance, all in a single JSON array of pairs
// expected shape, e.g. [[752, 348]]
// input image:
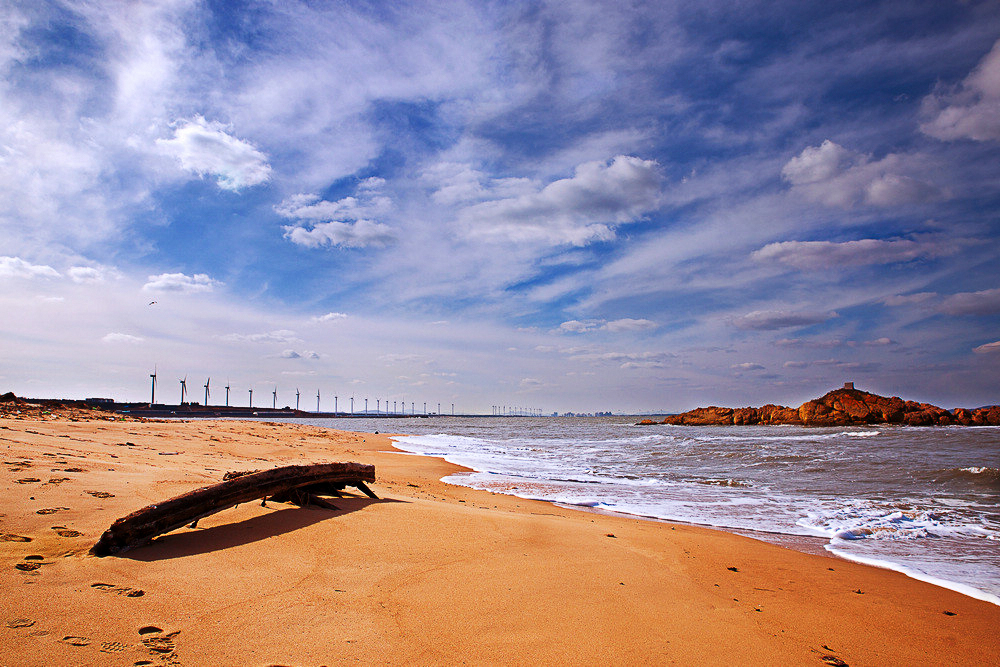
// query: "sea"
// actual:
[[924, 501]]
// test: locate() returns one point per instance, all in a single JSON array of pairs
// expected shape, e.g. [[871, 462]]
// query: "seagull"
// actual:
[[151, 303]]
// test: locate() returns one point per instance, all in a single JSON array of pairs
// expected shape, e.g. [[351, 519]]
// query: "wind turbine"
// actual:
[[227, 394], [152, 395], [274, 401], [207, 382], [251, 398], [297, 399], [317, 400], [184, 388]]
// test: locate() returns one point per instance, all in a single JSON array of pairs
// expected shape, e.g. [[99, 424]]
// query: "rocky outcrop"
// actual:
[[840, 407], [988, 416], [716, 416]]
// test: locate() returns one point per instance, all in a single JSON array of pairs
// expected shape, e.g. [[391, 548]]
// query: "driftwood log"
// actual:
[[298, 484]]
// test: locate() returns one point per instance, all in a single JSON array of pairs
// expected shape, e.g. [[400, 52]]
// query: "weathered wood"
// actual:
[[306, 480], [361, 486]]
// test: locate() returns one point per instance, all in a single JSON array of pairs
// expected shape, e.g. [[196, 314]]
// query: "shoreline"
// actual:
[[431, 574], [492, 479], [815, 545]]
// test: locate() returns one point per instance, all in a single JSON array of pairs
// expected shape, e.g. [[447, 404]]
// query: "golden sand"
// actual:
[[429, 574]]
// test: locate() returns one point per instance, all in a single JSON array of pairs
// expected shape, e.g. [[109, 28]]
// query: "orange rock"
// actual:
[[840, 407]]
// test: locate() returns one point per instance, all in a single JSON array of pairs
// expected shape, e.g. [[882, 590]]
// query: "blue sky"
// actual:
[[563, 206]]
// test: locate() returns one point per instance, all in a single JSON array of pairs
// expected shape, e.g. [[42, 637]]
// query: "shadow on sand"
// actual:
[[206, 540]]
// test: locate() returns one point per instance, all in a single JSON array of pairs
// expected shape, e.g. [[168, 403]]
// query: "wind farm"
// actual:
[[399, 408]]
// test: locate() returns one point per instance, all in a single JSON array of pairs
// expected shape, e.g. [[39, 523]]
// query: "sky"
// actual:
[[561, 206]]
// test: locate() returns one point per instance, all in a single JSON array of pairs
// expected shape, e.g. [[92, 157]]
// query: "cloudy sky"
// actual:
[[563, 206]]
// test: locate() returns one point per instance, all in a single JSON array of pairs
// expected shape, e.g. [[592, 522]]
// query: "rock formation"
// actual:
[[840, 407]]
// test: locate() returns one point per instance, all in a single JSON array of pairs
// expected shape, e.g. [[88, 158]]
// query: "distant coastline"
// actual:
[[90, 407], [841, 407]]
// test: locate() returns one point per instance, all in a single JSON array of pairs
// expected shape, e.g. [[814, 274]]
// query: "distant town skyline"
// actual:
[[569, 206]]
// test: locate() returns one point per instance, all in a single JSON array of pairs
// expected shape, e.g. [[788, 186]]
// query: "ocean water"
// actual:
[[925, 501]]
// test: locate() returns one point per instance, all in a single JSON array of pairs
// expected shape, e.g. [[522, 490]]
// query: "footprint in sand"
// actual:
[[74, 470], [76, 641], [27, 480], [67, 532], [50, 510], [10, 537], [20, 623], [101, 494], [161, 645], [830, 659], [58, 480], [119, 590], [31, 563], [112, 647]]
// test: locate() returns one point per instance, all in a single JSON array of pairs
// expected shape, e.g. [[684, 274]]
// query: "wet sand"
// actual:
[[429, 574]]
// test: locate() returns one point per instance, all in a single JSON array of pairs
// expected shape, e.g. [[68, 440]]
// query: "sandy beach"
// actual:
[[429, 574]]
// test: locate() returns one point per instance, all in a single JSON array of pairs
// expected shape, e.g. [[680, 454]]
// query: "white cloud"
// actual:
[[821, 255], [394, 358], [625, 360], [880, 342], [630, 324], [799, 343], [206, 148], [91, 274], [347, 222], [116, 337], [574, 211], [330, 317], [984, 302], [747, 366], [359, 234], [279, 336], [578, 326], [179, 282], [970, 110], [292, 354], [11, 24], [836, 176], [763, 320], [15, 267], [818, 163], [988, 348], [624, 324], [76, 136], [909, 299], [796, 364], [456, 183], [311, 207]]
